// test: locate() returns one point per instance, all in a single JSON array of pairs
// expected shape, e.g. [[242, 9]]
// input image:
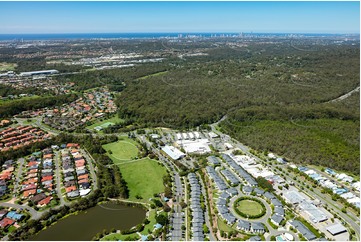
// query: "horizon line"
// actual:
[[190, 32]]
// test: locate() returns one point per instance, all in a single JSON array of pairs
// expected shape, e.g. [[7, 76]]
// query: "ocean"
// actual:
[[75, 36]]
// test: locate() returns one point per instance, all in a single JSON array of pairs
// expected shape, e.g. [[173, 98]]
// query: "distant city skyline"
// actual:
[[173, 17]]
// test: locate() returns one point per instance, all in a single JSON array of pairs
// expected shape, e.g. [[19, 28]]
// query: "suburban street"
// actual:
[[212, 237], [34, 214], [352, 219], [58, 179], [18, 176]]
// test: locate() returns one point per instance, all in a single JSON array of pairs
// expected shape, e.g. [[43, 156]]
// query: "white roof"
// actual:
[[196, 134], [84, 192], [309, 172], [336, 229], [293, 197], [173, 152], [288, 236], [213, 135], [356, 185], [347, 195], [293, 166], [190, 135], [271, 155], [197, 146]]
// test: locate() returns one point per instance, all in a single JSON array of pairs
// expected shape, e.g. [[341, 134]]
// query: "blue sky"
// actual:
[[130, 17]]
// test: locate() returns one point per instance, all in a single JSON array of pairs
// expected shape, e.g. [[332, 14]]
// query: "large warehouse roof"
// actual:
[[173, 152], [336, 229], [44, 72]]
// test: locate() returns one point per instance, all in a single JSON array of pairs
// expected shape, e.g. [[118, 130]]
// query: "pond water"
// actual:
[[86, 224]]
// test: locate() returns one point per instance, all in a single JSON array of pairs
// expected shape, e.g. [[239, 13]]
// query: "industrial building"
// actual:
[[35, 73], [199, 146], [173, 152], [336, 229]]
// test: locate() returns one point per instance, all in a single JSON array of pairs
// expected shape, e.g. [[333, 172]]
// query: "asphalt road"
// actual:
[[91, 162], [57, 162], [324, 199], [18, 176], [212, 237], [34, 214]]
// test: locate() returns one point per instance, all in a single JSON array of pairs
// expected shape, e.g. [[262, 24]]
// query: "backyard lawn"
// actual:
[[144, 178]]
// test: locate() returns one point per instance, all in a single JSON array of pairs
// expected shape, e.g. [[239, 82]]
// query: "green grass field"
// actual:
[[122, 150], [7, 66], [249, 207], [122, 237], [152, 220], [143, 177], [113, 120], [223, 226]]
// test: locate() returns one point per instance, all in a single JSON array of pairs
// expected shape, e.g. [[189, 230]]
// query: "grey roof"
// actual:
[[80, 172], [69, 178], [315, 213], [197, 220], [197, 210], [279, 211], [257, 226], [232, 191], [229, 218], [230, 177], [224, 195], [276, 202], [197, 214], [259, 191], [198, 234], [73, 194], [221, 185], [222, 202], [269, 195], [293, 197], [243, 224], [199, 238], [255, 238], [195, 205], [239, 170], [222, 209], [197, 229], [213, 160], [336, 229], [303, 230], [277, 218], [247, 189]]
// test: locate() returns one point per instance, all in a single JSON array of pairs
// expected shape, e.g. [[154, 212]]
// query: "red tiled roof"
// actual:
[[29, 192], [6, 222], [45, 201], [69, 189], [47, 178]]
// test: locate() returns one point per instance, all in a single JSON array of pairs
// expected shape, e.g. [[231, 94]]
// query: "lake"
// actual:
[[86, 224]]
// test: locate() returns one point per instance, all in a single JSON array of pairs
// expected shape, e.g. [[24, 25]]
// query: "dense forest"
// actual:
[[9, 109], [277, 98], [113, 78], [277, 95], [8, 90]]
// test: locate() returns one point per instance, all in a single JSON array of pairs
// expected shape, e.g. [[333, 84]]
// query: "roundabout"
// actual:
[[249, 207]]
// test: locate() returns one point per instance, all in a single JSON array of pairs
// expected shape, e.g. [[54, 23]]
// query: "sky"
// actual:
[[185, 17]]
